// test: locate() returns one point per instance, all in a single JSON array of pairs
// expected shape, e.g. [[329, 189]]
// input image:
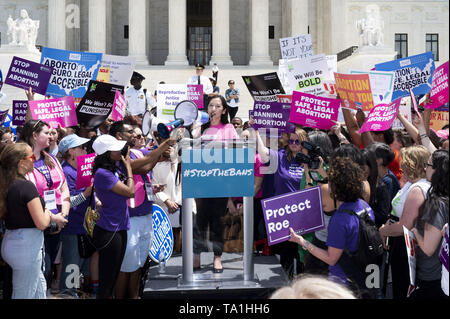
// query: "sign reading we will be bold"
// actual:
[[218, 172]]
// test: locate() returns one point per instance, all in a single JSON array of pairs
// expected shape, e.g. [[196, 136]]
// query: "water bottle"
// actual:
[[162, 260]]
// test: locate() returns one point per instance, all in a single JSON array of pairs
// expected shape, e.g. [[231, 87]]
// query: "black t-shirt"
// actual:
[[20, 194]]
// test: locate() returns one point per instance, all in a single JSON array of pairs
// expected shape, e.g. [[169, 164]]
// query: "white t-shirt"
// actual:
[[398, 202], [136, 101]]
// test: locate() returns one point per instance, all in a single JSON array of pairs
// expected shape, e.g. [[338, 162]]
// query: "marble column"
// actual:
[[137, 31], [299, 17], [57, 24], [260, 33], [221, 33], [97, 26], [177, 33], [332, 31]]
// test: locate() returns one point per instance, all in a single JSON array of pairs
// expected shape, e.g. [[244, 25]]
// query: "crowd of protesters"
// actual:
[[398, 177]]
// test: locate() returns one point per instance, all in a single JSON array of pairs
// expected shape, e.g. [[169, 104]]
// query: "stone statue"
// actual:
[[23, 31], [371, 27]]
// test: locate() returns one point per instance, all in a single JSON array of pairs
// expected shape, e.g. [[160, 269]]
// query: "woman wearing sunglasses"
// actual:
[[288, 177], [25, 216]]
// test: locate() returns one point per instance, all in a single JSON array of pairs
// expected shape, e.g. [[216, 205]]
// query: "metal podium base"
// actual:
[[218, 281]]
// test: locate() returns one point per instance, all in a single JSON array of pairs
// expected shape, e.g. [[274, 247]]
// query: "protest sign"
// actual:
[[307, 75], [300, 210], [272, 115], [354, 91], [313, 111], [413, 72], [381, 84], [97, 104], [283, 75], [195, 94], [439, 117], [119, 107], [297, 47], [439, 91], [84, 171], [264, 87], [405, 110], [25, 74], [103, 75], [284, 98], [72, 71], [443, 254], [162, 241], [329, 83], [3, 116], [169, 95], [381, 117], [19, 112], [120, 68], [55, 112], [411, 249], [204, 169]]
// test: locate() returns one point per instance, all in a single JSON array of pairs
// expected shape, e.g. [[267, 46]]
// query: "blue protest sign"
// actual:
[[72, 71], [162, 235], [218, 172], [413, 72]]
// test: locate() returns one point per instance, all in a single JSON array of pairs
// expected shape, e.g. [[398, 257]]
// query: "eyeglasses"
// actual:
[[31, 158], [139, 136], [296, 142]]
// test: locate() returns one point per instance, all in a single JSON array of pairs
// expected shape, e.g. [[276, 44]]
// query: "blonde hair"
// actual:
[[302, 136], [313, 287], [414, 160]]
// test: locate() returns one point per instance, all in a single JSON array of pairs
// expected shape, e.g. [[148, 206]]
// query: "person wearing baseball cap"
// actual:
[[138, 99], [113, 185], [198, 79]]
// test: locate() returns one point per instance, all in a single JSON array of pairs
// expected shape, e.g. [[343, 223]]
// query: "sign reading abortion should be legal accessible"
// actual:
[[25, 74], [84, 170], [355, 91], [264, 87], [60, 111], [381, 117], [218, 172], [439, 92], [414, 72], [72, 71], [301, 210], [298, 47], [19, 112], [272, 115], [314, 111]]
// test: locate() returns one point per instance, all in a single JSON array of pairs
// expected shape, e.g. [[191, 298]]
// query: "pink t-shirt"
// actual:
[[220, 132]]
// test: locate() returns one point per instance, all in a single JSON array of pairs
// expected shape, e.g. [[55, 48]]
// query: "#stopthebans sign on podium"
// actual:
[[218, 172]]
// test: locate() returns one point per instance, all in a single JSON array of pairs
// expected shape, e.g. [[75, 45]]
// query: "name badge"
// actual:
[[50, 199], [149, 192]]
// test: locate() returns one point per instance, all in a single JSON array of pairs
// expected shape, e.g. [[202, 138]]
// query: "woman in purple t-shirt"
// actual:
[[113, 187]]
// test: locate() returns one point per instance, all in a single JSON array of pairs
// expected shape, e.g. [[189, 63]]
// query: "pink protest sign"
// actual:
[[55, 111], [313, 111], [439, 92], [381, 117], [84, 170], [195, 94], [119, 107]]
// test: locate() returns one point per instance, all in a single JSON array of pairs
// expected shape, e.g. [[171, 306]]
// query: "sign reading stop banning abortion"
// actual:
[[19, 112], [84, 170], [301, 210], [55, 111]]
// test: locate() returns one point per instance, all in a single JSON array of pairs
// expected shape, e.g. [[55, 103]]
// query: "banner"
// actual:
[[272, 115], [381, 84], [103, 75], [411, 250], [19, 112], [439, 92], [25, 74], [72, 71], [314, 111], [439, 117], [55, 112], [308, 75], [195, 94], [413, 72], [354, 91], [120, 68], [3, 116], [298, 47], [300, 210], [119, 107], [381, 117], [97, 104], [443, 254], [264, 87], [84, 170]]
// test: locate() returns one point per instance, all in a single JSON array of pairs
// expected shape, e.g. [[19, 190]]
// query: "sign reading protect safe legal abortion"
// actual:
[[55, 111], [301, 210], [84, 170]]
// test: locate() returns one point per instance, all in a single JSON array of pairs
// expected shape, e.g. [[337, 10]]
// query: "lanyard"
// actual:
[[44, 171]]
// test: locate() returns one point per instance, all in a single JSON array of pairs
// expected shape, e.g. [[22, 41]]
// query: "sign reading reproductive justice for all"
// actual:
[[301, 210]]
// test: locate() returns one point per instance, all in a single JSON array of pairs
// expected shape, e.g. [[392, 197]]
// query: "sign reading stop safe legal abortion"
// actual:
[[55, 111], [301, 210]]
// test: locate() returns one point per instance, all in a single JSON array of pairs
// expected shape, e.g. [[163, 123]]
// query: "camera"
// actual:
[[312, 159]]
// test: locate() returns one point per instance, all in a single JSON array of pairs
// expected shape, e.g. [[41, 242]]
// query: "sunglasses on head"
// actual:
[[296, 142]]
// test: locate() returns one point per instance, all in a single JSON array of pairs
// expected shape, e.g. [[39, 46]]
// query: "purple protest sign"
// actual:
[[443, 254], [84, 170], [119, 107], [19, 112], [195, 94], [314, 111], [3, 116], [55, 111], [272, 115], [300, 210], [25, 74], [439, 90], [381, 117]]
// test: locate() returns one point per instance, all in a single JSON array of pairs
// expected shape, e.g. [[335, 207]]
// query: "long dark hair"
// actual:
[[35, 126], [104, 161], [223, 118], [371, 162], [439, 191], [322, 140]]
